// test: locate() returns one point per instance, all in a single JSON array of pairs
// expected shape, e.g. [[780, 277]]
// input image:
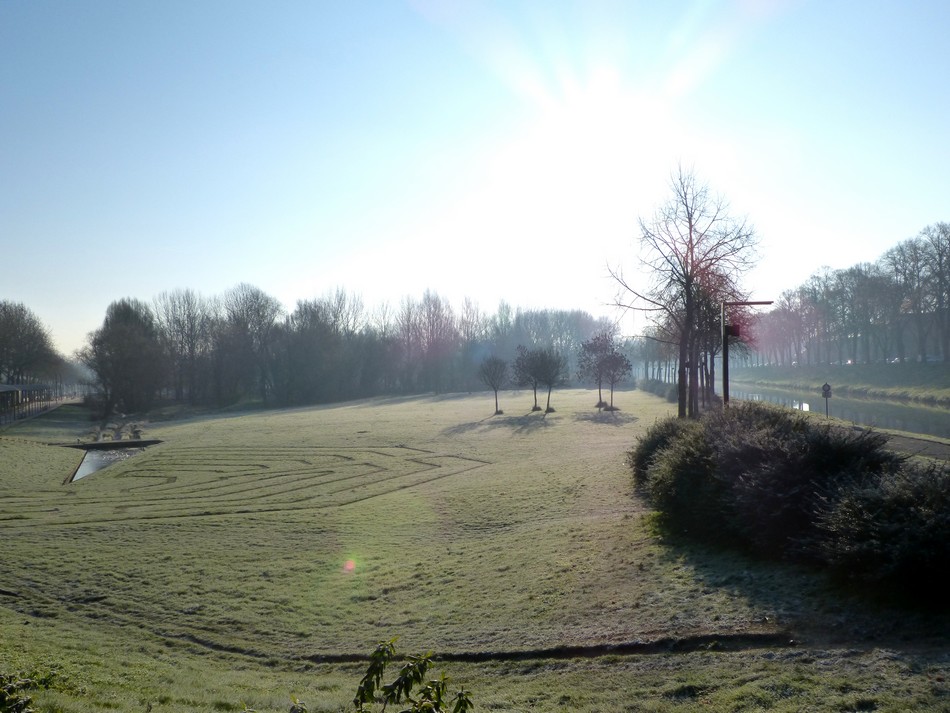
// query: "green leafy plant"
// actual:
[[430, 696], [13, 696]]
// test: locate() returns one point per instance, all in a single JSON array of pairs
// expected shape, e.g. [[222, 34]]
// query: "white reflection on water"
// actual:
[[97, 460]]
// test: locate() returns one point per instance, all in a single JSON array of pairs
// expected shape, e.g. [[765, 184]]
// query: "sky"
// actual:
[[491, 150]]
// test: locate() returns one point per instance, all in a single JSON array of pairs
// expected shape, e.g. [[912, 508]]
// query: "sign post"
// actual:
[[826, 394]]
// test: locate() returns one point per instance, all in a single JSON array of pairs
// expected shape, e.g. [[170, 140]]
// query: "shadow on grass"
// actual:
[[426, 397], [610, 418], [532, 421], [801, 600]]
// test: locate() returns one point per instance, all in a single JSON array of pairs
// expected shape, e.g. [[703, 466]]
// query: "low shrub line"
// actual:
[[782, 486], [659, 388]]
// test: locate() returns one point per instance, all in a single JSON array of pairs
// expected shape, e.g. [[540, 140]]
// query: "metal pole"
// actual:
[[725, 357], [725, 344]]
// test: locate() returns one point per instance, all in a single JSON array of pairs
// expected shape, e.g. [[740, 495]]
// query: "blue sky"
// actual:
[[491, 150]]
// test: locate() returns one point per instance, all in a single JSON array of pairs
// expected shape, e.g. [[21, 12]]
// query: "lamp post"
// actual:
[[730, 331]]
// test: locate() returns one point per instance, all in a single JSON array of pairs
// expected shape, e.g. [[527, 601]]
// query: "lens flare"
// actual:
[[349, 566]]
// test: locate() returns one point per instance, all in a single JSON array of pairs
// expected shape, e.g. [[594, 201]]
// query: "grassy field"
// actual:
[[249, 557]]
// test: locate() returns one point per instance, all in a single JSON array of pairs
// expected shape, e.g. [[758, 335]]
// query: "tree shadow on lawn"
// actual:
[[609, 418], [803, 601], [532, 421], [430, 397]]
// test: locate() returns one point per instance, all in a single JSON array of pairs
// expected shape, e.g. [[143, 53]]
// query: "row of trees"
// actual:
[[693, 254], [27, 354], [244, 345], [601, 359], [894, 309]]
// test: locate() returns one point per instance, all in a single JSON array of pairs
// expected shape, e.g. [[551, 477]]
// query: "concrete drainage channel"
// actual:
[[102, 454]]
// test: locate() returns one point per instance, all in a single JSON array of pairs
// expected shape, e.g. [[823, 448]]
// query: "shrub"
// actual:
[[682, 484], [657, 437], [777, 467], [787, 487], [758, 464], [891, 531], [659, 388]]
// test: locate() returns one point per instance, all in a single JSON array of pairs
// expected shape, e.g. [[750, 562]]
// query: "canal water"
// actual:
[[96, 460], [879, 414]]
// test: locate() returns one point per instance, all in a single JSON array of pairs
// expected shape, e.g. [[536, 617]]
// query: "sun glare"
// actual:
[[581, 161]]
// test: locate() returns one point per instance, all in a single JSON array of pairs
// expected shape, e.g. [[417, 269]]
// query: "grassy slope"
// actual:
[[927, 384], [209, 571]]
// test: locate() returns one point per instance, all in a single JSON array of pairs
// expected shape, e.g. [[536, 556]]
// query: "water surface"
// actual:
[[880, 414], [96, 460]]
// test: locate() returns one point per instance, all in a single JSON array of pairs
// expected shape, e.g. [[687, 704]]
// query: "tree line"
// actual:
[[896, 309], [244, 346], [27, 354]]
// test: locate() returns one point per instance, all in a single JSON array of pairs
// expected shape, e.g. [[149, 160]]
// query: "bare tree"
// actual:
[[344, 311], [184, 320], [494, 374], [526, 371], [252, 318], [910, 263], [591, 362], [472, 324], [551, 370], [440, 339], [616, 368], [691, 246], [938, 242]]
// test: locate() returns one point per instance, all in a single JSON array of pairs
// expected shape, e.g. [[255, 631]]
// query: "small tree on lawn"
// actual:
[[526, 371], [551, 371], [494, 374], [616, 367], [590, 363]]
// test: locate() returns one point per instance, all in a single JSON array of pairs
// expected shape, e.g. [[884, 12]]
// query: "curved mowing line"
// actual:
[[274, 492], [241, 466], [244, 469], [241, 494], [244, 508], [411, 485], [274, 483], [202, 488]]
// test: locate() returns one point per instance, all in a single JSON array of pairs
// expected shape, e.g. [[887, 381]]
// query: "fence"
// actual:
[[24, 400]]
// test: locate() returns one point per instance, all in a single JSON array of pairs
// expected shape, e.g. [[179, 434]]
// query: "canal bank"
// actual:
[[886, 415]]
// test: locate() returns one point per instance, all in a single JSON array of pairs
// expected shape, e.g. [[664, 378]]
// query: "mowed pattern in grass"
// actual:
[[465, 532], [185, 481]]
